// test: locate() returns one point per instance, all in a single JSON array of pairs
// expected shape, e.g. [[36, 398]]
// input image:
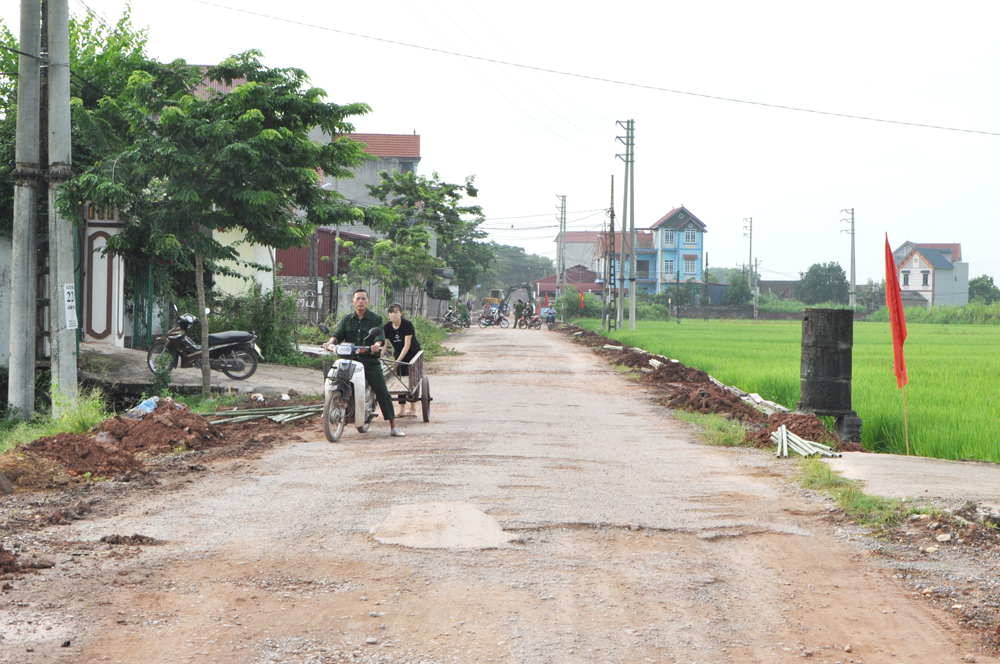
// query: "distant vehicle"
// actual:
[[495, 299]]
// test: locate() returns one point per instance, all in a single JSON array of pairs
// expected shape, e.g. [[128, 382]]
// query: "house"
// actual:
[[783, 290], [933, 271], [579, 277], [672, 250], [582, 248]]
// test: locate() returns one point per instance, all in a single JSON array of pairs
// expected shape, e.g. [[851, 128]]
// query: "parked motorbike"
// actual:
[[534, 322], [234, 353], [347, 392], [458, 318], [495, 318]]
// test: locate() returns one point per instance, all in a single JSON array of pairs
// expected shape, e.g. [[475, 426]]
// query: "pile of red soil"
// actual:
[[808, 427], [131, 540], [8, 563], [710, 398], [166, 428], [81, 454]]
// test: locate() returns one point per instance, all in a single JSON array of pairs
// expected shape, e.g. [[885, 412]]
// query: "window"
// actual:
[[642, 269], [925, 280], [906, 278], [668, 237], [689, 265], [690, 237], [668, 267]]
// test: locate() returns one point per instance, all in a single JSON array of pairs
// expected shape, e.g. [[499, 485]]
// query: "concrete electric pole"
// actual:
[[27, 180], [852, 296], [561, 248], [629, 245], [62, 269]]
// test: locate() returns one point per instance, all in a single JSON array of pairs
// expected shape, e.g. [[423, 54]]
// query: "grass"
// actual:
[[953, 395], [714, 429], [90, 411], [865, 509]]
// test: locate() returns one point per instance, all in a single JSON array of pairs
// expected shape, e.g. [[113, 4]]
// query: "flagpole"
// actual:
[[906, 422]]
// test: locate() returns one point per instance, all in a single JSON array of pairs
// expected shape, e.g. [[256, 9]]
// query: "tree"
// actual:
[[982, 289], [437, 206], [823, 282], [192, 163], [512, 265], [738, 293]]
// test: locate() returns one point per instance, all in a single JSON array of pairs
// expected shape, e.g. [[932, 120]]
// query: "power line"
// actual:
[[599, 78]]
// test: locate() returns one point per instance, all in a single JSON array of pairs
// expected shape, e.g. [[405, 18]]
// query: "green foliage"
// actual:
[[983, 290], [866, 509], [163, 366], [823, 282], [714, 429], [738, 292], [89, 411], [511, 265], [568, 304], [950, 367], [199, 404], [975, 313], [420, 206], [431, 335]]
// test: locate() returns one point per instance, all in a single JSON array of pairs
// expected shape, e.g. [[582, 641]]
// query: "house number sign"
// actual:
[[69, 296]]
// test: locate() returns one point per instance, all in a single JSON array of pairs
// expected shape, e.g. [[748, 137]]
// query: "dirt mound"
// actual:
[[132, 540], [8, 563], [170, 426], [81, 454], [28, 470], [675, 372], [804, 426], [709, 398]]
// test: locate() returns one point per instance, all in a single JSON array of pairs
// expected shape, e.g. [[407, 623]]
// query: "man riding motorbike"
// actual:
[[353, 329]]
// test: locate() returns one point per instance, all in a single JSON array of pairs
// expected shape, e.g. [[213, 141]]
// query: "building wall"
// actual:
[[5, 285], [103, 289], [582, 253], [952, 286], [249, 252], [676, 252]]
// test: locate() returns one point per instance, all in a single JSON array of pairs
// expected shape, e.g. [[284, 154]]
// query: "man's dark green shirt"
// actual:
[[354, 330]]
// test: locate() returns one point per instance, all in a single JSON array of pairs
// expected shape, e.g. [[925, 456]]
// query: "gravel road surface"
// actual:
[[624, 539]]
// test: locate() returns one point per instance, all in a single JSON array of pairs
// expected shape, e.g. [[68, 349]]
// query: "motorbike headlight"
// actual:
[[344, 350]]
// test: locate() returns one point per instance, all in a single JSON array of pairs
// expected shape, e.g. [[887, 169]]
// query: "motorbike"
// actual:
[[534, 322], [458, 318], [347, 392], [550, 319], [234, 353], [496, 318]]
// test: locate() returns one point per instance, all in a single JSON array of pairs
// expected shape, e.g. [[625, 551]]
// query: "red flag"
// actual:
[[894, 301], [546, 299], [581, 299]]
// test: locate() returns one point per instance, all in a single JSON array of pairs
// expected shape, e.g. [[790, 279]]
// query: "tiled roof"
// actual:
[[390, 145], [935, 259], [204, 86], [954, 248], [667, 221]]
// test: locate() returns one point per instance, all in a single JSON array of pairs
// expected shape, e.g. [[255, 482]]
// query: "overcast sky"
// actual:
[[529, 135]]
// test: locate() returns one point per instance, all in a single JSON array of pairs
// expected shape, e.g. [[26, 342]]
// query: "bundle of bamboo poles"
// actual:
[[785, 439], [285, 414]]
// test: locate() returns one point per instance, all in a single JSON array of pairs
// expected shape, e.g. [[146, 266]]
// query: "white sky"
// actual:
[[528, 136]]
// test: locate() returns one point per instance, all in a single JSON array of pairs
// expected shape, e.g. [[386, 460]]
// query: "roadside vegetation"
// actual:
[[953, 397], [90, 410]]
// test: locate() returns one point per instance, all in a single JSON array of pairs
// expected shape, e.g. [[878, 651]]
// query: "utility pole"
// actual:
[[748, 232], [852, 291], [755, 291], [629, 188], [607, 258], [561, 248], [27, 180], [62, 269]]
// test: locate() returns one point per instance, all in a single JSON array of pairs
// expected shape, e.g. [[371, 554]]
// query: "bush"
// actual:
[[974, 313], [272, 316], [90, 410], [568, 304]]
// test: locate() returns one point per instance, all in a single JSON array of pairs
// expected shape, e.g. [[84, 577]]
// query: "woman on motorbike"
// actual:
[[403, 337]]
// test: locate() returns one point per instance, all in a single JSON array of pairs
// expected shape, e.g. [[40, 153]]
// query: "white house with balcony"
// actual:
[[933, 271]]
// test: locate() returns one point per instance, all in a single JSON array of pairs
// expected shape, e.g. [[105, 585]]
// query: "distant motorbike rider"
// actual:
[[353, 329]]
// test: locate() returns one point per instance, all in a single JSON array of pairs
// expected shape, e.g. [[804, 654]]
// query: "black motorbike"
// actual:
[[496, 318], [234, 353]]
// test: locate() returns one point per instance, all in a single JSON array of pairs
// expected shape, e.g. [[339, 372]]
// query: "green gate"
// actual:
[[142, 309]]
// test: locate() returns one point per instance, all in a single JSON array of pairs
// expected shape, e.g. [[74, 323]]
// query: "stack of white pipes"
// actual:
[[785, 439]]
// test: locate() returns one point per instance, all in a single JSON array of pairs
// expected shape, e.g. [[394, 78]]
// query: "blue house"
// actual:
[[679, 248]]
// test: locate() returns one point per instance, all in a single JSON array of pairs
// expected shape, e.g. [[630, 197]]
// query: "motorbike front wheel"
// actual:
[[239, 363], [521, 324], [156, 352], [334, 416], [482, 322], [537, 325], [369, 410], [504, 324]]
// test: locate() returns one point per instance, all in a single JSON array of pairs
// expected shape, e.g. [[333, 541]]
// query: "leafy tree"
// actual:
[[191, 163], [823, 282], [982, 289], [512, 265], [439, 207], [738, 292]]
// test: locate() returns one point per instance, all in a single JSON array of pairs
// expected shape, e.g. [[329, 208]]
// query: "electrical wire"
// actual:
[[600, 79]]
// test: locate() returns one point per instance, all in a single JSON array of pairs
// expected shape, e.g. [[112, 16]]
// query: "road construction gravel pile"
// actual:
[[80, 454], [171, 425]]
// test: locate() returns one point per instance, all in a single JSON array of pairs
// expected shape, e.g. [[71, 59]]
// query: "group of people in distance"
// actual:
[[353, 328]]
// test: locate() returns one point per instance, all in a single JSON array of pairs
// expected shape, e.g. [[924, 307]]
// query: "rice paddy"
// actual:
[[954, 371]]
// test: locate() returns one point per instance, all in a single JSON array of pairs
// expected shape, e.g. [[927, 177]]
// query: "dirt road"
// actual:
[[634, 543]]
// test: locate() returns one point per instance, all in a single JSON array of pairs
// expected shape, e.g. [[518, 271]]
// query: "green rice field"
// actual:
[[952, 396]]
